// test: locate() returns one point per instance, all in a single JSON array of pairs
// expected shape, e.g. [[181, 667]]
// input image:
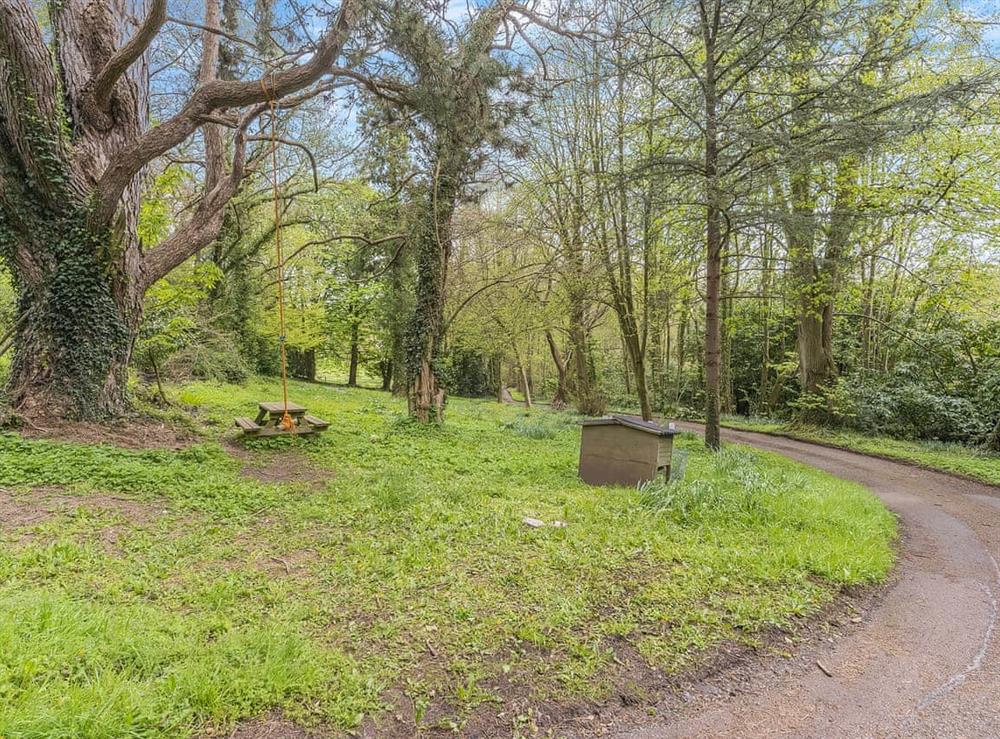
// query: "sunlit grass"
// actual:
[[408, 565]]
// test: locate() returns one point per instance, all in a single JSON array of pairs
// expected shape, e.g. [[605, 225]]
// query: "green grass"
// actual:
[[177, 594], [955, 458]]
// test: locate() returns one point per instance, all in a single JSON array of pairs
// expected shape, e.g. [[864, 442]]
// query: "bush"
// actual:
[[901, 407], [214, 356], [466, 373]]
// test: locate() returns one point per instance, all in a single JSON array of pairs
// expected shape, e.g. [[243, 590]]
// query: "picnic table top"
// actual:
[[276, 406]]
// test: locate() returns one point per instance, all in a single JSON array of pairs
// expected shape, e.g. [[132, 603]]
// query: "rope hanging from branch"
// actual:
[[286, 420]]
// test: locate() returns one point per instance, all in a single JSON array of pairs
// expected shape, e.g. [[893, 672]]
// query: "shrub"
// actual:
[[901, 407]]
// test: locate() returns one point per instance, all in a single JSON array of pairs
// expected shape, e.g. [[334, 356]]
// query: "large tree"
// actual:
[[459, 86], [75, 140]]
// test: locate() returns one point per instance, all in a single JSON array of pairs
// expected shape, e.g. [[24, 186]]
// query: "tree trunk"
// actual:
[[527, 385], [993, 441], [589, 400], [386, 368], [398, 300], [642, 387], [713, 249], [496, 375], [352, 372], [562, 392], [681, 350], [78, 313], [432, 250]]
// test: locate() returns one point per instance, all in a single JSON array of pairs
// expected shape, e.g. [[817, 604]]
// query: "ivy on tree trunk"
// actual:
[[74, 143]]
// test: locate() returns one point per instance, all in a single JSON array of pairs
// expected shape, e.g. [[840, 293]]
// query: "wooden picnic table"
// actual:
[[268, 421], [276, 410]]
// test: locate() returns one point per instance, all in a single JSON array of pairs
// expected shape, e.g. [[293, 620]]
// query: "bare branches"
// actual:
[[346, 237], [211, 97], [297, 145], [551, 26], [213, 30], [103, 83]]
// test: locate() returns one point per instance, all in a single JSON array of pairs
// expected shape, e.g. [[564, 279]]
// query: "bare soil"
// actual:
[[280, 467], [18, 510], [135, 433], [264, 727]]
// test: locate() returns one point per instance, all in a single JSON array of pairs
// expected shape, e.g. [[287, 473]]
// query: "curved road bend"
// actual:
[[927, 661]]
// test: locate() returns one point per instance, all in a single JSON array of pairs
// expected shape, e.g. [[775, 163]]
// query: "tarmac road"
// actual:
[[926, 661]]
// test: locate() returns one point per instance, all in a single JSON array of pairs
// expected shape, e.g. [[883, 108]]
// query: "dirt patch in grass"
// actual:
[[136, 433], [41, 504], [265, 727], [281, 467], [289, 564], [17, 511], [728, 669], [637, 690]]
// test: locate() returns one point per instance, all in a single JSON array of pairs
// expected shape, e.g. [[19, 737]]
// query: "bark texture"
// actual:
[[713, 243]]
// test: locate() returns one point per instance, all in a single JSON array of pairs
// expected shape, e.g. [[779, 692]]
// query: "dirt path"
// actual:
[[926, 661]]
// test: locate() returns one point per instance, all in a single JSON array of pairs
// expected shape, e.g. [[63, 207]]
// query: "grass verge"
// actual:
[[936, 455], [384, 565]]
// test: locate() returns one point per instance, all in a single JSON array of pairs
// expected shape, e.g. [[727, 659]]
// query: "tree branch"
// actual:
[[207, 99], [297, 145], [214, 30], [103, 83], [204, 226]]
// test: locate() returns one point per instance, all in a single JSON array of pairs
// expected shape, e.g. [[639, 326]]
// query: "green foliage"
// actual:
[[534, 426], [157, 208], [171, 322], [903, 406], [466, 372], [166, 592]]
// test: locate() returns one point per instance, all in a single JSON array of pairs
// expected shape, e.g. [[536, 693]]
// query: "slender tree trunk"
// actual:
[[498, 377], [562, 392], [725, 357], [681, 350], [589, 400], [387, 372], [397, 327], [525, 383], [352, 373], [713, 248], [626, 368], [993, 441], [763, 403]]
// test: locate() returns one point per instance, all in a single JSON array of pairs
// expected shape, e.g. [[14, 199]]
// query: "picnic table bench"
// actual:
[[268, 421]]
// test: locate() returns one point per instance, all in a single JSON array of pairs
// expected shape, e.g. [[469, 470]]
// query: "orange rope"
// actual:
[[286, 420]]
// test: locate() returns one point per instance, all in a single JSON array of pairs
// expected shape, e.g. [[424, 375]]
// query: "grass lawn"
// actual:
[[383, 569], [956, 458]]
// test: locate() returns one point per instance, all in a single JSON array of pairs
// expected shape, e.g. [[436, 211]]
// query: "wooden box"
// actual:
[[624, 450]]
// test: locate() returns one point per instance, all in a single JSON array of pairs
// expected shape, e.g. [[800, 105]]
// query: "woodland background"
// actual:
[[783, 209]]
